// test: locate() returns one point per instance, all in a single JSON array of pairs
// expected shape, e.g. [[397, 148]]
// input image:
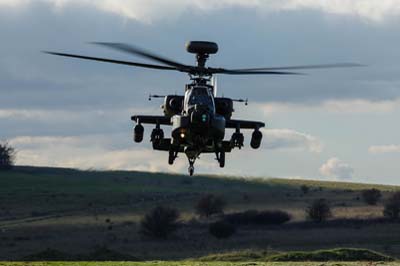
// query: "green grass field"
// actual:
[[191, 263], [76, 211]]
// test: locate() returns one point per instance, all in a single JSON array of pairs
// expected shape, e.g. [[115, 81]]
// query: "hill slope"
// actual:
[[75, 210]]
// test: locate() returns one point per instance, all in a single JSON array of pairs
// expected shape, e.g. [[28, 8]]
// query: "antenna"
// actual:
[[155, 96], [245, 101]]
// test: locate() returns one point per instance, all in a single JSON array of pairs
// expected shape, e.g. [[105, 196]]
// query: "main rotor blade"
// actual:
[[113, 61], [137, 51], [249, 72], [336, 65]]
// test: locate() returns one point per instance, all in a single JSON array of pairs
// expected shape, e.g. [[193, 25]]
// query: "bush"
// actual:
[[392, 206], [305, 189], [102, 253], [221, 229], [48, 255], [338, 254], [371, 196], [237, 256], [160, 222], [241, 218], [258, 217], [99, 254], [210, 204], [7, 156], [272, 217], [319, 210]]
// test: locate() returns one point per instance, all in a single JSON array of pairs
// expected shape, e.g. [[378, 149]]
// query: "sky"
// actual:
[[332, 124]]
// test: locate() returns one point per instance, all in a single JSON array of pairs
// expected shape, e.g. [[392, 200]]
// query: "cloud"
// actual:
[[112, 152], [88, 152], [287, 139], [350, 106], [377, 149], [98, 152], [69, 115], [151, 10], [361, 106], [367, 9], [41, 114], [64, 122], [335, 168], [13, 3]]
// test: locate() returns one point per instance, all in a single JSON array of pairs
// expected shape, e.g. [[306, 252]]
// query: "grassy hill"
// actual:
[[75, 211], [191, 263]]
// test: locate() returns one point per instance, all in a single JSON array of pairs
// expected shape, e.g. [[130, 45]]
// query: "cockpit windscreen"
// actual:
[[200, 96]]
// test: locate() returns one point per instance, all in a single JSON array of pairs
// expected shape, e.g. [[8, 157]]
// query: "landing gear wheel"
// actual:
[[191, 170], [237, 140], [192, 159], [171, 158], [221, 159]]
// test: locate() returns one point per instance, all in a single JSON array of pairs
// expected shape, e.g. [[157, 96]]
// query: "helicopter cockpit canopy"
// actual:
[[200, 96]]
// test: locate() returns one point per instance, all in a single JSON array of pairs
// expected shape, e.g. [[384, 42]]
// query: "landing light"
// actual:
[[182, 135]]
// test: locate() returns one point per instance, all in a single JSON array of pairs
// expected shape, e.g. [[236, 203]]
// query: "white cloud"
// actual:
[[14, 3], [361, 106], [368, 9], [384, 149], [98, 152], [287, 139], [150, 10], [110, 152], [88, 152], [70, 115], [335, 168], [36, 114], [353, 106]]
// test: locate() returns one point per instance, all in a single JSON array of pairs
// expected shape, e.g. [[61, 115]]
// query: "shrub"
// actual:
[[187, 181], [371, 196], [272, 217], [7, 156], [338, 254], [392, 206], [210, 204], [241, 218], [305, 189], [236, 256], [102, 253], [246, 197], [319, 210], [48, 254], [221, 229], [160, 222], [275, 217]]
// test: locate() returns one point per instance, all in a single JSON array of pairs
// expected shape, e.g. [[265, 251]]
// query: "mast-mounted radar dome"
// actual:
[[201, 47]]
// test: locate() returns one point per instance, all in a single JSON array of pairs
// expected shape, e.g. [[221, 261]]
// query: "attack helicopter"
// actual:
[[199, 118]]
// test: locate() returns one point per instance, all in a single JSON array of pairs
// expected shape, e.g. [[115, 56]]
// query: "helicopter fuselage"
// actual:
[[198, 128], [199, 122]]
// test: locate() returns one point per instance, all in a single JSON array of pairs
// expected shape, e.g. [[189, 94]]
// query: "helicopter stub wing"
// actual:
[[152, 119], [245, 124]]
